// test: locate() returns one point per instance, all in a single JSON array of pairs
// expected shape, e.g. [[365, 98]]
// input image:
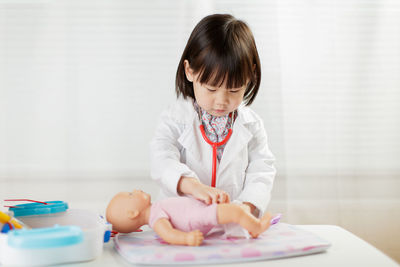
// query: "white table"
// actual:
[[346, 250]]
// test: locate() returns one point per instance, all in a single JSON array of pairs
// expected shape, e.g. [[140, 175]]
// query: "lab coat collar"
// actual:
[[192, 140]]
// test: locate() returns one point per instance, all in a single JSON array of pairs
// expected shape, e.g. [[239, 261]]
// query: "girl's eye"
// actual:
[[234, 91], [211, 90]]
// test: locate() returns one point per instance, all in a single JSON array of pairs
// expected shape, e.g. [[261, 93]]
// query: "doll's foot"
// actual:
[[264, 225], [194, 238], [265, 222]]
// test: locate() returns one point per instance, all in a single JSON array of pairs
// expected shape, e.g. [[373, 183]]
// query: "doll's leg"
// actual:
[[231, 213]]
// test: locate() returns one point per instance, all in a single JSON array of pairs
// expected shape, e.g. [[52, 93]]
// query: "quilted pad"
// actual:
[[280, 240]]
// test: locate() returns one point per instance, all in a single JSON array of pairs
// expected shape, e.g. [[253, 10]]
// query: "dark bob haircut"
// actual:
[[221, 48]]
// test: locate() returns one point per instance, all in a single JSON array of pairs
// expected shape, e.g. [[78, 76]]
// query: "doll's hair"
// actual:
[[221, 48]]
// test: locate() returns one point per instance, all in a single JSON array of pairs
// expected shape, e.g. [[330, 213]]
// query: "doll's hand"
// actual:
[[207, 194], [194, 238]]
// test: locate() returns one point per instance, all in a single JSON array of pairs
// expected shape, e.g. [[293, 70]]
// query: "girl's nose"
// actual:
[[222, 97]]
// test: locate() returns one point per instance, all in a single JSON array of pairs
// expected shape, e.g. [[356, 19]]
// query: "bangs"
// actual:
[[215, 69], [221, 51]]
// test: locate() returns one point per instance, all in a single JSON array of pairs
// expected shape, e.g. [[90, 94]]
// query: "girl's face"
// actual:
[[218, 101]]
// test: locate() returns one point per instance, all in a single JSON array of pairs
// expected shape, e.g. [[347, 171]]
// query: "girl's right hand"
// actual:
[[209, 195], [205, 193]]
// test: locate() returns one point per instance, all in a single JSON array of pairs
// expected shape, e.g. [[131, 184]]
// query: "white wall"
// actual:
[[83, 82]]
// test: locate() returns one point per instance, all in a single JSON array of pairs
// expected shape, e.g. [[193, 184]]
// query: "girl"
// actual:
[[209, 144]]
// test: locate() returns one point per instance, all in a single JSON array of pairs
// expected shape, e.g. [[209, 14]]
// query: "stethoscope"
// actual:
[[215, 145]]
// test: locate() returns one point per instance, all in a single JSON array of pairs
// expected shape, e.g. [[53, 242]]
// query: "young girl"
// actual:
[[209, 144]]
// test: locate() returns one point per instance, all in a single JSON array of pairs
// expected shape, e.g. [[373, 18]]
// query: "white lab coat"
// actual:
[[245, 172]]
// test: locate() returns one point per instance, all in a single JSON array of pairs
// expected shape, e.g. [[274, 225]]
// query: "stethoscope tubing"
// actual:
[[214, 146]]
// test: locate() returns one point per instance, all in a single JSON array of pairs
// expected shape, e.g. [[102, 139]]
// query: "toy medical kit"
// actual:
[[57, 235]]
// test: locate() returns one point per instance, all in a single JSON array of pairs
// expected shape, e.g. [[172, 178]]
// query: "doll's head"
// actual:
[[220, 52], [126, 210]]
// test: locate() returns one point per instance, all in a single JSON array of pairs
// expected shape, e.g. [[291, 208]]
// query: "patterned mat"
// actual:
[[279, 241]]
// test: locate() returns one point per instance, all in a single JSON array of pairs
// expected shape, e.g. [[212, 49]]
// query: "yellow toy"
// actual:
[[5, 218]]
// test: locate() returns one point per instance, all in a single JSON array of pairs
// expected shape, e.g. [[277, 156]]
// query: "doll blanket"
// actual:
[[279, 241]]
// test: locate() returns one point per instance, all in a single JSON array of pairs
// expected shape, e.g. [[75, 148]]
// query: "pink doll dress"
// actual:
[[185, 214]]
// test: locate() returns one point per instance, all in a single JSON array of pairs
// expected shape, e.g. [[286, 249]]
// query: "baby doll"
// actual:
[[178, 220]]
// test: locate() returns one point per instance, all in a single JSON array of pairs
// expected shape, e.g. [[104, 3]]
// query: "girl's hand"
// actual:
[[245, 207], [248, 207], [207, 194]]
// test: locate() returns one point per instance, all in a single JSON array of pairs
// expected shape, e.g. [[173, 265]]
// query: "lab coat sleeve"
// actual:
[[260, 172], [166, 167]]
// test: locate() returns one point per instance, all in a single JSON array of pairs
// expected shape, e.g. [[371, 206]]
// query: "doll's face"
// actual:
[[125, 210], [137, 199]]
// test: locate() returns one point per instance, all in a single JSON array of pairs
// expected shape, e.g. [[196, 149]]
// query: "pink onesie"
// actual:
[[185, 214]]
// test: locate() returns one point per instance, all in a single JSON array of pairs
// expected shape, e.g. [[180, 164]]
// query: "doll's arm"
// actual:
[[173, 236]]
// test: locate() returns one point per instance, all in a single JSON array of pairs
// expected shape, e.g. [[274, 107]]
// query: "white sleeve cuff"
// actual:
[[256, 194], [171, 177]]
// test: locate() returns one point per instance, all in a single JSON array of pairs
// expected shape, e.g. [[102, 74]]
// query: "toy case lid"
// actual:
[[39, 208], [56, 236]]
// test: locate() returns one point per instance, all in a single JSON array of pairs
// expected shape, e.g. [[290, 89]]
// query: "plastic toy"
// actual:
[[178, 220], [51, 234]]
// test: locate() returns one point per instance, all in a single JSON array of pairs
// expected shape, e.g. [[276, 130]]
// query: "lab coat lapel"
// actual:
[[192, 140], [240, 138]]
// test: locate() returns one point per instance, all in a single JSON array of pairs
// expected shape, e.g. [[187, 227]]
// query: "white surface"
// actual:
[[346, 250], [359, 217]]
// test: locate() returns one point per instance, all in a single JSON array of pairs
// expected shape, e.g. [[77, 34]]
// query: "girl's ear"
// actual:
[[188, 71], [132, 214]]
